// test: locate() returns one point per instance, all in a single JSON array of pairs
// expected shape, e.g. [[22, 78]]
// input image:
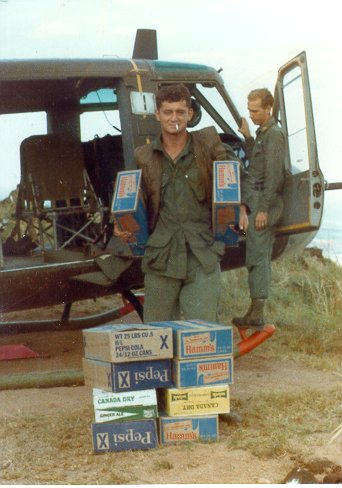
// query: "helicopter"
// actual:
[[61, 249]]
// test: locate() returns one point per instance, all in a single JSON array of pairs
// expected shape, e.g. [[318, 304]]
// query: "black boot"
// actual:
[[254, 317]]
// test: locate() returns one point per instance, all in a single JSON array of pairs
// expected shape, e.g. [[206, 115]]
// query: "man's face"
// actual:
[[257, 113], [174, 116]]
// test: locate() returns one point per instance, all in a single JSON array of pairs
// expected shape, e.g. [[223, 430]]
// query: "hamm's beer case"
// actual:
[[188, 429], [202, 372], [129, 210], [122, 436], [125, 343], [127, 376], [226, 201], [133, 405], [196, 338]]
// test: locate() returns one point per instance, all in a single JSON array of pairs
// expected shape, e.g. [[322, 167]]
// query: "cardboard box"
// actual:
[[202, 372], [133, 405], [202, 400], [185, 429], [127, 376], [125, 343], [226, 182], [226, 201], [129, 210], [196, 338], [122, 436], [226, 220]]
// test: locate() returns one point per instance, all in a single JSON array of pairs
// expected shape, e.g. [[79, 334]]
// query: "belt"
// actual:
[[258, 187]]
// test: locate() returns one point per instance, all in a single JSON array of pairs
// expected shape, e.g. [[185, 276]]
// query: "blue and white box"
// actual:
[[129, 209], [226, 182], [202, 372], [226, 201], [197, 338], [188, 429], [127, 376], [123, 436]]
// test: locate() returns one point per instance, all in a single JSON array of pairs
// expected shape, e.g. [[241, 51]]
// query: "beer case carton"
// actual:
[[202, 400], [188, 428], [196, 338], [126, 343], [133, 405], [202, 372], [226, 201], [124, 377], [129, 210], [123, 436]]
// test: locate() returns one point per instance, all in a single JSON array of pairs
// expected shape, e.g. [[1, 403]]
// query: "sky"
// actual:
[[248, 39]]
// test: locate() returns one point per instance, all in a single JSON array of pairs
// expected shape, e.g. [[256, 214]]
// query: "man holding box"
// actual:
[[261, 194], [182, 259]]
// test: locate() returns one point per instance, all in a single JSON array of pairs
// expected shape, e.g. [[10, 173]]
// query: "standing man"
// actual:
[[261, 194], [182, 259]]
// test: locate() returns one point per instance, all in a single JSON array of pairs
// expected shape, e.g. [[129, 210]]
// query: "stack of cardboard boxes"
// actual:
[[130, 361], [202, 370], [226, 201], [177, 371]]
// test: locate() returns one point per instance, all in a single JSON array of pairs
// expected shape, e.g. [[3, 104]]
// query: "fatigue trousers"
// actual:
[[194, 297], [259, 245]]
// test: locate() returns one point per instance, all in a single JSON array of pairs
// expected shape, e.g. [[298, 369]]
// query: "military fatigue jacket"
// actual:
[[178, 195], [266, 171]]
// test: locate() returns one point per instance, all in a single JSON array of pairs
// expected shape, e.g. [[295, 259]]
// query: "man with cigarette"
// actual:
[[182, 259]]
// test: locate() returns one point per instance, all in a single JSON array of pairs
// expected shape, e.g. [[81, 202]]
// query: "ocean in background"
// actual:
[[329, 239]]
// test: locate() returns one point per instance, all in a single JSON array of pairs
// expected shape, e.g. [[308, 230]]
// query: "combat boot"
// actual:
[[254, 317]]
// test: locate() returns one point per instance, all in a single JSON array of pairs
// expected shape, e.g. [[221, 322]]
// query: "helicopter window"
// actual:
[[14, 128], [143, 103], [296, 120], [214, 109], [102, 98], [100, 114]]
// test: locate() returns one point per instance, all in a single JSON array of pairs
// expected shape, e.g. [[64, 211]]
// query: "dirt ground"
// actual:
[[25, 412]]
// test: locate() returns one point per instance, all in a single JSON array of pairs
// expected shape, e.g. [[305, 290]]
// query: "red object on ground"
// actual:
[[16, 351], [250, 342]]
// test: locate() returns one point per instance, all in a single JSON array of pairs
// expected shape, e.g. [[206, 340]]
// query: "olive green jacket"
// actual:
[[207, 148]]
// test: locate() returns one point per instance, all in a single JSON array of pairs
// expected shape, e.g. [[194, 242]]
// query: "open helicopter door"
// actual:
[[303, 190]]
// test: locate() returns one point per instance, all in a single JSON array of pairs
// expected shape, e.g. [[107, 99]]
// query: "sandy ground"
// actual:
[[26, 411]]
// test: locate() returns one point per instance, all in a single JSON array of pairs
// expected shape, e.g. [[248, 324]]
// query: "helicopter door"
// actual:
[[303, 190]]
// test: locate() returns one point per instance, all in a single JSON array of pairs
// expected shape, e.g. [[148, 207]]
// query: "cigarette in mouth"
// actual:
[[177, 127]]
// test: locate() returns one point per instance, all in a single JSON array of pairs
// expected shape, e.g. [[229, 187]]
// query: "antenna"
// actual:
[[145, 46]]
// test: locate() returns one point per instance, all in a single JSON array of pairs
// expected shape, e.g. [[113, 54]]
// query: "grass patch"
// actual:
[[275, 424], [305, 305]]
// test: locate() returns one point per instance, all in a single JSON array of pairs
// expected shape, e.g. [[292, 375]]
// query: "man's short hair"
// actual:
[[173, 93], [265, 96]]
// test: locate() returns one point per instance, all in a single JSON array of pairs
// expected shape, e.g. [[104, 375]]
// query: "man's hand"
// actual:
[[244, 129], [125, 236], [261, 220], [243, 219]]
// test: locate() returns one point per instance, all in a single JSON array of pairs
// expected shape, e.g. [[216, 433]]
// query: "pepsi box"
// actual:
[[122, 343], [188, 429], [127, 376], [226, 201], [202, 372], [129, 210], [197, 338], [124, 436]]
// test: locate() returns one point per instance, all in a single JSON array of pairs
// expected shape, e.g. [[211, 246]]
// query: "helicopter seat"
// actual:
[[56, 192]]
